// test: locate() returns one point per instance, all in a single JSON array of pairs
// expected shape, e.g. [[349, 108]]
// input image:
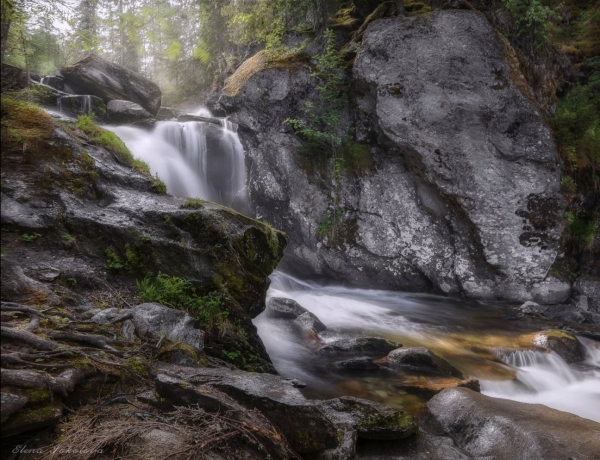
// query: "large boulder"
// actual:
[[463, 192], [108, 81], [329, 428], [499, 429], [126, 112]]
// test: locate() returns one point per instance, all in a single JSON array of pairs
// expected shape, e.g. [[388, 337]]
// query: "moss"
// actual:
[[193, 203], [111, 142], [399, 422], [560, 335], [137, 366], [33, 417], [23, 122], [158, 186]]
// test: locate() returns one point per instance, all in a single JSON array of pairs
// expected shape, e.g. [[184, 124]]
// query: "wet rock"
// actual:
[[167, 113], [357, 364], [157, 320], [531, 308], [82, 105], [214, 121], [551, 291], [301, 422], [108, 81], [453, 154], [302, 320], [433, 385], [373, 421], [328, 428], [422, 358], [126, 112], [54, 81], [562, 343], [372, 345], [488, 427]]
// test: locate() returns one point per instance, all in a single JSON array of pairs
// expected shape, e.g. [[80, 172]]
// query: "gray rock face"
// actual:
[[126, 112], [421, 357], [464, 193], [160, 320], [108, 81], [494, 428], [590, 287]]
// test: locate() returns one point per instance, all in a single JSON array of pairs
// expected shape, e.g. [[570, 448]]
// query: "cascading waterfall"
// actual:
[[545, 378], [194, 159]]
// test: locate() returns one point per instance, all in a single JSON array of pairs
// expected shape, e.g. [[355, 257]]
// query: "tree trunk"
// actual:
[[7, 8]]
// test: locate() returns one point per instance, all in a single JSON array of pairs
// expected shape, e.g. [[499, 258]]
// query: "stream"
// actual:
[[206, 160]]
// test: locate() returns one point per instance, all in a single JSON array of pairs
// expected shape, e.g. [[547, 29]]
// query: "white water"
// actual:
[[541, 378], [194, 159]]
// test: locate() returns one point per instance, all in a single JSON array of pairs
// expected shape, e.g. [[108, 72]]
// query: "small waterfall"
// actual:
[[545, 378], [213, 156]]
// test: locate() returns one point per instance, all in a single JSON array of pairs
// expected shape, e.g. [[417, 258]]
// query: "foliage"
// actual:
[[29, 238], [158, 186], [179, 293], [193, 203], [113, 261], [533, 20], [111, 142]]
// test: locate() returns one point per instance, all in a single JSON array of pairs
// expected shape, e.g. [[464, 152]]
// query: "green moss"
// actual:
[[403, 424], [32, 417], [113, 261], [193, 203], [137, 366], [158, 186], [23, 122], [561, 335], [111, 142]]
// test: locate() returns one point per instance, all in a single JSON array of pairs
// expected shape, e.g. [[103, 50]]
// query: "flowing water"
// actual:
[[205, 160], [193, 159]]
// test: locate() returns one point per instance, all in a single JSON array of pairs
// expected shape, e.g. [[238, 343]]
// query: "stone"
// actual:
[[422, 358], [531, 308], [157, 320], [17, 287], [566, 345], [108, 81], [167, 113], [463, 192], [126, 112], [288, 309], [590, 287], [363, 363], [488, 427], [53, 81], [432, 385], [13, 78], [551, 291], [372, 345]]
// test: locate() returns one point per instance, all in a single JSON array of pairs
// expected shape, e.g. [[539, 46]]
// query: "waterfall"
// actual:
[[194, 159], [545, 378]]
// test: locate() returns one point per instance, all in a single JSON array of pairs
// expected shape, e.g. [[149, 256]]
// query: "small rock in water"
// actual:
[[360, 345], [562, 343], [297, 383], [424, 358], [363, 363]]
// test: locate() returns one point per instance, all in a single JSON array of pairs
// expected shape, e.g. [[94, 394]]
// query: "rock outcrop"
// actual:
[[463, 196], [93, 75], [126, 112], [497, 428]]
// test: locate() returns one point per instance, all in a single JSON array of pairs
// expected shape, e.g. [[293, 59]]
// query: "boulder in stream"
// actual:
[[358, 345], [500, 429], [301, 319], [564, 344], [422, 358], [108, 81], [126, 111]]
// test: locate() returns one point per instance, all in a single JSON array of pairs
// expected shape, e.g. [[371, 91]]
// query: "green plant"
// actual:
[[158, 186], [113, 261], [533, 20], [329, 222], [29, 238], [111, 142], [69, 239], [88, 161], [193, 203], [568, 185], [179, 293]]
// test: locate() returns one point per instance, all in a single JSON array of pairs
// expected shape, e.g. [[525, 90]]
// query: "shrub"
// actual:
[[179, 293]]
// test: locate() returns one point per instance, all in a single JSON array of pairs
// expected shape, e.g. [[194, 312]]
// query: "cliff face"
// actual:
[[464, 193]]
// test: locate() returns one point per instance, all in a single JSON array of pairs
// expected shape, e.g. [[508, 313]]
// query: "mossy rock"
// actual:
[[566, 345], [33, 417]]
